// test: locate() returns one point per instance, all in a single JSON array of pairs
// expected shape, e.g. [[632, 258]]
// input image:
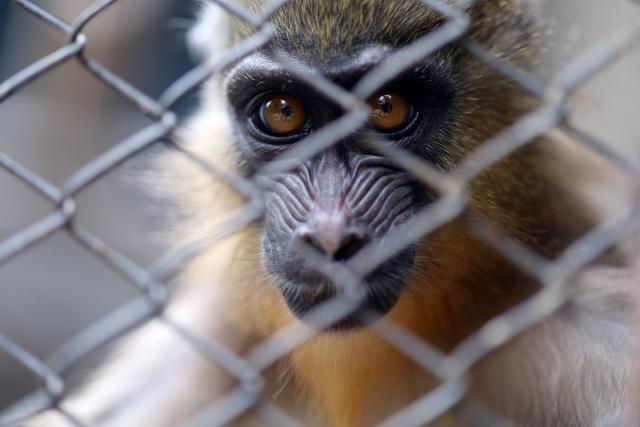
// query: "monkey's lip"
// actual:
[[322, 308], [315, 300]]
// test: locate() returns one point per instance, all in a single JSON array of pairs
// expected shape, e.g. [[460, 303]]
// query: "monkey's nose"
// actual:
[[335, 239]]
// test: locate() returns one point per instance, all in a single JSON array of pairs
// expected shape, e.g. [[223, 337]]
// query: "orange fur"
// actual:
[[458, 284], [355, 378]]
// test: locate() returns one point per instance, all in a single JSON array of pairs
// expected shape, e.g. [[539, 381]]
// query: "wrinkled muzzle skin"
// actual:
[[332, 209]]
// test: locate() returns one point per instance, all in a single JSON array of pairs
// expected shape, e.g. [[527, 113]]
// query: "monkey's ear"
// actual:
[[210, 35]]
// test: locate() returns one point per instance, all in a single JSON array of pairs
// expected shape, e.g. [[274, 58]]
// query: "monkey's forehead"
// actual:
[[334, 28]]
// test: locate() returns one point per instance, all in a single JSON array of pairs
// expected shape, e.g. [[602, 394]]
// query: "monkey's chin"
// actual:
[[321, 308], [316, 301]]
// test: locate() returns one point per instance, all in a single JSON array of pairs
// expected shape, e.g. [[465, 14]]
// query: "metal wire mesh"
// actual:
[[451, 369]]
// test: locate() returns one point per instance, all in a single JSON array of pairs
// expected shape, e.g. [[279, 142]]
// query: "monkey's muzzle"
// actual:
[[338, 207], [323, 304]]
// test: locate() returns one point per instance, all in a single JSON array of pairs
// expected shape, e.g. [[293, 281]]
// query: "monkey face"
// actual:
[[344, 202]]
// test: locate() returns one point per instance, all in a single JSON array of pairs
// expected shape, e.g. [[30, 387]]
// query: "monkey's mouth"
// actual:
[[328, 310], [315, 300]]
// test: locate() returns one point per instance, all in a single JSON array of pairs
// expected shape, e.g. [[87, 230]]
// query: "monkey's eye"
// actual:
[[390, 112], [282, 115]]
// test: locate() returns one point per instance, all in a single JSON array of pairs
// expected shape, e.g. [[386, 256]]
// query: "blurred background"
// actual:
[[66, 118], [55, 125]]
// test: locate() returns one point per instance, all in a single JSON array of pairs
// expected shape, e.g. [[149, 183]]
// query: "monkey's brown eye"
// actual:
[[389, 111], [283, 115]]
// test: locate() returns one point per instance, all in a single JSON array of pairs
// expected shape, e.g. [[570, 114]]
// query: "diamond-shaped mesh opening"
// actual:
[[31, 207], [162, 52], [71, 125]]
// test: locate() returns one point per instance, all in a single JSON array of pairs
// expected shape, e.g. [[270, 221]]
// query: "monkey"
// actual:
[[572, 369]]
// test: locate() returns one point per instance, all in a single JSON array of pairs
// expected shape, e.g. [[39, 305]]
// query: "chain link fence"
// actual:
[[451, 370]]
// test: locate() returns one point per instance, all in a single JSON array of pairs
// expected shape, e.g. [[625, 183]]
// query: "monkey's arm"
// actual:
[[574, 368]]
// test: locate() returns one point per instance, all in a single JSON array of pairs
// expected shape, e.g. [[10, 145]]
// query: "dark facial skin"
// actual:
[[347, 196]]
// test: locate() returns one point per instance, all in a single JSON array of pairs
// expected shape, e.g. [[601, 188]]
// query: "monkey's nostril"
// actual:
[[337, 244], [352, 243]]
